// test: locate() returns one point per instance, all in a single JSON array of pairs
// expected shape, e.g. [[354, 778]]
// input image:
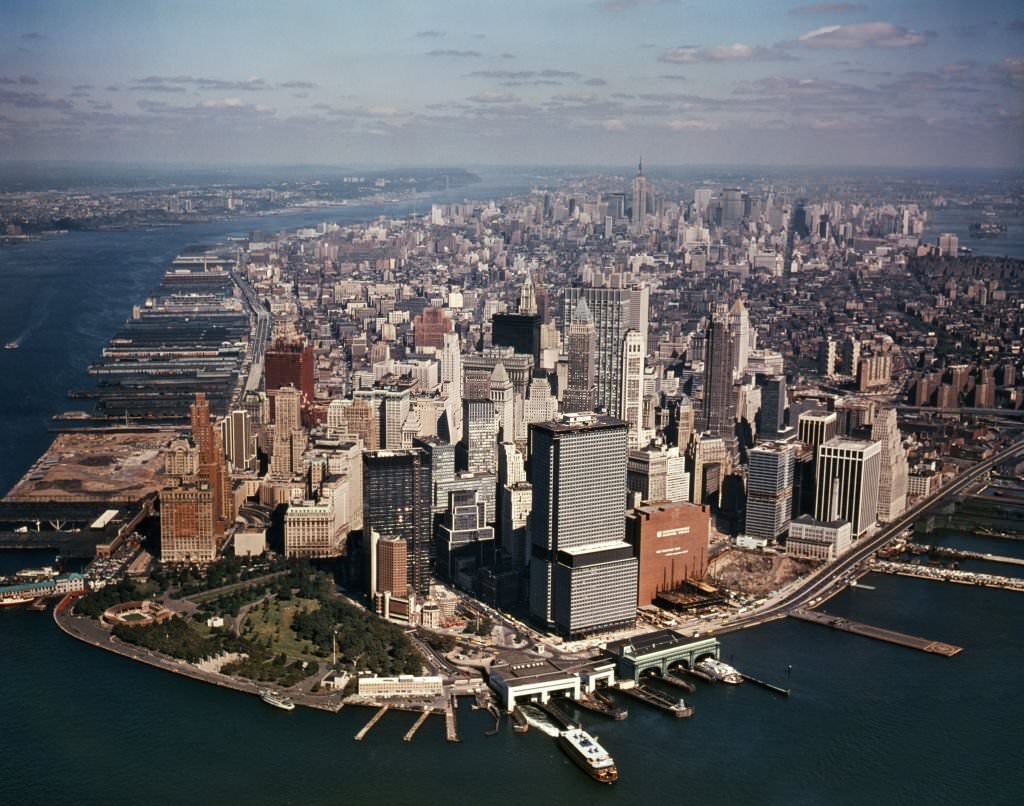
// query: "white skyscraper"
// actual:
[[633, 388], [846, 482], [892, 482]]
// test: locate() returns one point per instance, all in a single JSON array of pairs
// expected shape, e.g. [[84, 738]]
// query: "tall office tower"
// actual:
[[361, 420], [846, 482], [719, 409], [851, 355], [640, 200], [511, 465], [816, 427], [440, 455], [397, 503], [287, 408], [212, 467], [769, 491], [527, 296], [521, 332], [633, 388], [771, 417], [477, 453], [732, 207], [827, 358], [657, 473], [701, 199], [615, 310], [397, 402], [580, 345], [739, 332], [464, 543], [257, 405], [317, 528], [478, 367], [874, 371], [949, 245], [684, 422], [430, 326], [239, 441], [540, 406], [504, 404], [450, 358], [187, 524], [515, 502], [392, 567], [583, 575], [711, 463], [892, 480], [290, 363]]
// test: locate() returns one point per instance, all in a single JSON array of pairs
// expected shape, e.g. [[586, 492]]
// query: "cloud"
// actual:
[[508, 55], [81, 87], [430, 34], [1010, 69], [691, 54], [297, 85], [630, 5], [32, 100], [200, 83], [859, 35], [493, 98], [455, 54], [670, 77], [158, 88], [689, 125], [827, 8], [523, 75], [32, 36], [595, 82], [1015, 25], [614, 124]]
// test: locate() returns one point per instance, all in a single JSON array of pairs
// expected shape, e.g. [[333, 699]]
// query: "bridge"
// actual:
[[659, 650]]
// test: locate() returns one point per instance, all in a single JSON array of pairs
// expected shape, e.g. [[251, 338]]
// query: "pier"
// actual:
[[956, 576], [373, 721], [889, 636], [670, 679], [415, 726], [785, 692], [658, 700], [600, 703], [451, 728], [963, 554]]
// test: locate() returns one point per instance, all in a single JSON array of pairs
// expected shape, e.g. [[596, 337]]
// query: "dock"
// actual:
[[879, 633], [670, 679], [373, 721], [600, 703], [415, 726], [451, 728], [963, 554], [658, 700], [785, 692], [935, 574], [561, 717]]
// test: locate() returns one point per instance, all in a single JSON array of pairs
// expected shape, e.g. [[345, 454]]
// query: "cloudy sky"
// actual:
[[903, 82]]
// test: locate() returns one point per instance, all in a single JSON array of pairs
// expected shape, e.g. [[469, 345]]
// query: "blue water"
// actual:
[[867, 722]]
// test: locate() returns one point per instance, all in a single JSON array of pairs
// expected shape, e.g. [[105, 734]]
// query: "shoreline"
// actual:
[[66, 623]]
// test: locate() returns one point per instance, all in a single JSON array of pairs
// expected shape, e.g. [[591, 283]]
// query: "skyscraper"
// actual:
[[583, 575], [239, 441], [633, 388], [892, 480], [719, 412], [478, 451], [430, 327], [397, 503], [212, 467], [290, 363], [846, 482], [640, 200], [615, 310], [739, 331], [771, 418], [769, 491], [580, 344]]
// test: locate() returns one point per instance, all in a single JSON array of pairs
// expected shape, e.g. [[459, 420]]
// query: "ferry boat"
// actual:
[[271, 697], [11, 345], [588, 755], [722, 672]]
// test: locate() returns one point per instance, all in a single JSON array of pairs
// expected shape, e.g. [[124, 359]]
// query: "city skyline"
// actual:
[[779, 83]]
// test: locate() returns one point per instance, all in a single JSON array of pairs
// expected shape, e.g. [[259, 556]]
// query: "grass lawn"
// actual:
[[274, 621]]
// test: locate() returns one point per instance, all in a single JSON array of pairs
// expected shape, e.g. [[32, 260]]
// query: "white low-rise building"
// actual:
[[814, 540]]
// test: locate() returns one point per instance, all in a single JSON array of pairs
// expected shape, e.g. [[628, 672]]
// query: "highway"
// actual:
[[262, 334], [828, 579]]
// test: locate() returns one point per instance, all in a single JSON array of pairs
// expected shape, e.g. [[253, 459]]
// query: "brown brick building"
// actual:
[[670, 540]]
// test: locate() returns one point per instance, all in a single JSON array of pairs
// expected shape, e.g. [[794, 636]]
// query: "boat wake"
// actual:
[[539, 720]]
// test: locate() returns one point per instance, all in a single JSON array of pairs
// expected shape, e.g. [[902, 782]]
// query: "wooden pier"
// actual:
[[373, 721], [785, 692], [451, 728], [415, 726], [889, 636]]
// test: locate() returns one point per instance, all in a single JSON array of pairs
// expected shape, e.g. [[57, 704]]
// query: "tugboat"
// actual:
[[722, 672], [588, 755], [271, 697]]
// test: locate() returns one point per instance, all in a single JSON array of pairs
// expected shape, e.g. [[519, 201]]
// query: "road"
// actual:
[[828, 579], [262, 334]]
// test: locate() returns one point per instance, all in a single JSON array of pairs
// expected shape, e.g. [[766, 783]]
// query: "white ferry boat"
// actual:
[[278, 700], [722, 672], [588, 755]]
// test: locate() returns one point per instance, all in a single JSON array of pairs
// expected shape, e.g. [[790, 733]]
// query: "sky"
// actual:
[[531, 82]]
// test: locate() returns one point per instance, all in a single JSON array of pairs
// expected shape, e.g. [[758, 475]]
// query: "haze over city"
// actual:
[[530, 83]]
